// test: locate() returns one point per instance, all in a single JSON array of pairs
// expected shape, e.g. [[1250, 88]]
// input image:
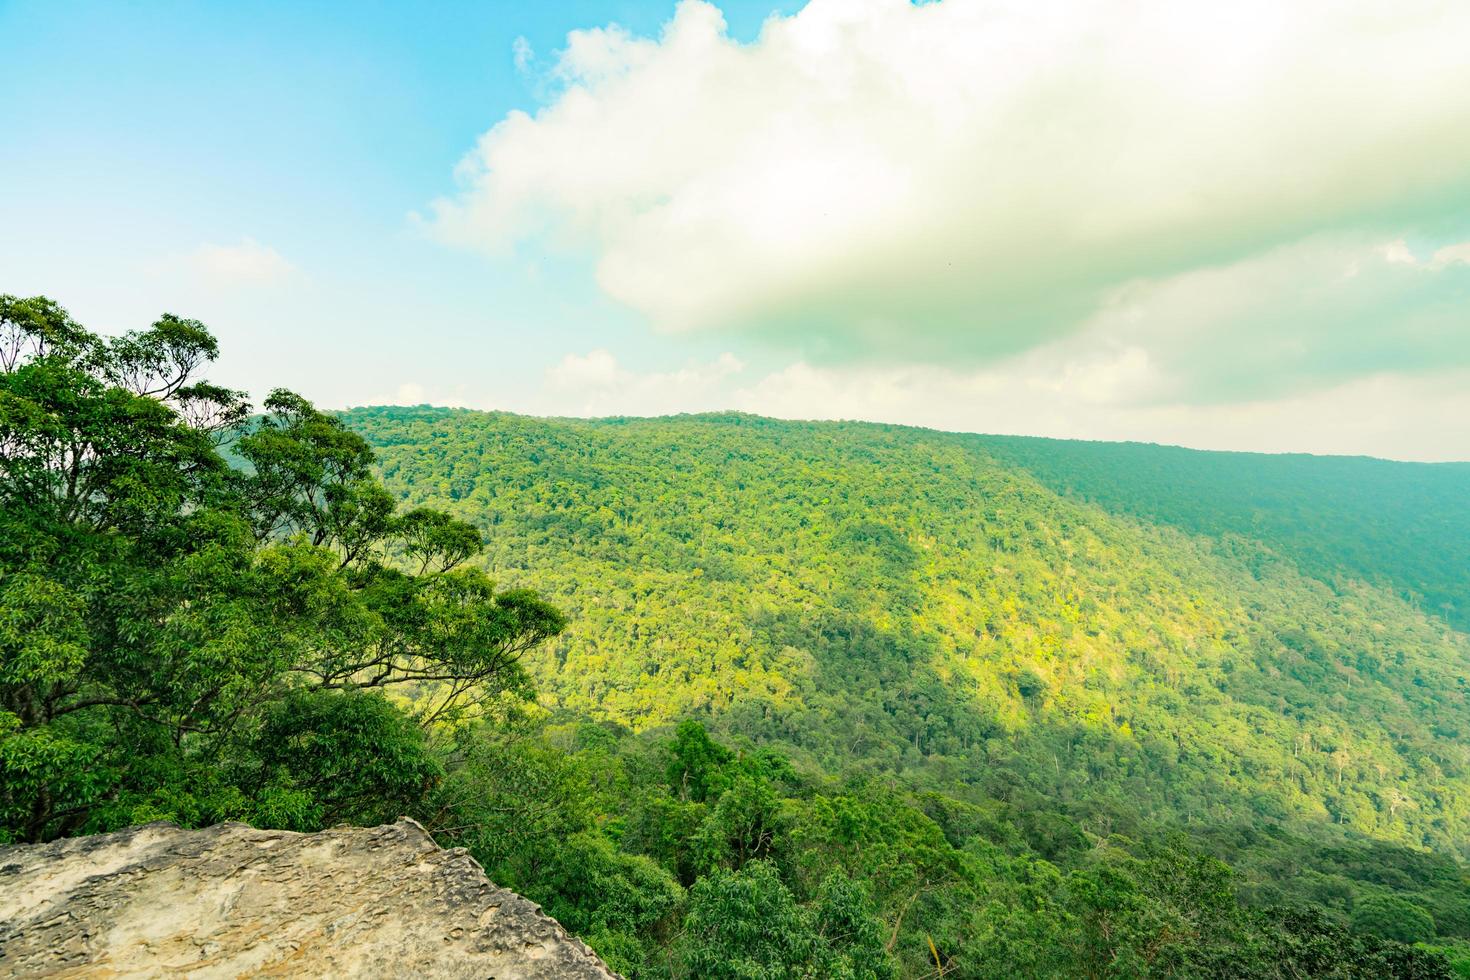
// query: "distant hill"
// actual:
[[1135, 633], [1405, 526]]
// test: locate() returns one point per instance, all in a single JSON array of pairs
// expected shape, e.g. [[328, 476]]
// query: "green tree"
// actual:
[[741, 825], [353, 756], [848, 923], [696, 763], [613, 899], [745, 924], [184, 638], [1392, 917]]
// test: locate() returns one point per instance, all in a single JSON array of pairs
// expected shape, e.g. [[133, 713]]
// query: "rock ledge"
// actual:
[[232, 901]]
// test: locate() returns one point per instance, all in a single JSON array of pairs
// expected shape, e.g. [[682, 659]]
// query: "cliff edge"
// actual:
[[232, 901]]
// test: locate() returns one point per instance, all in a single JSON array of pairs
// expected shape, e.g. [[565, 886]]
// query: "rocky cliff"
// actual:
[[233, 901]]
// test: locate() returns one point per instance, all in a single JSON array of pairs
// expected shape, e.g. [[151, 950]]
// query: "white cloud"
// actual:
[[1303, 316], [1219, 225], [1087, 387], [596, 370], [1239, 356], [596, 384], [523, 54], [1397, 252], [1383, 415], [1451, 255], [416, 393], [956, 181], [247, 264]]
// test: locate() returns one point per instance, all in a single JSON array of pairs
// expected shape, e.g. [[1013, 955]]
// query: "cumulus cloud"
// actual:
[[1279, 352], [1387, 415], [248, 263], [1307, 315], [595, 383], [523, 54], [412, 393], [959, 181], [1451, 255]]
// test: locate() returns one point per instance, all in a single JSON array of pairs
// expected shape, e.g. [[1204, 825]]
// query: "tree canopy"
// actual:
[[834, 701], [186, 638], [909, 603]]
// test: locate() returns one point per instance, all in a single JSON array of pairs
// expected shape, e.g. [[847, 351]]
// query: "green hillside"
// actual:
[[841, 701], [1037, 620], [1405, 526]]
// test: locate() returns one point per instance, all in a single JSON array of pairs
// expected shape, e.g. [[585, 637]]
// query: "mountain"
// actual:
[[1136, 633], [815, 700], [1403, 526]]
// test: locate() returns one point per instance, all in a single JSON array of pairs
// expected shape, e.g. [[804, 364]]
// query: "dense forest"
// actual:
[[734, 697], [901, 601], [920, 608], [1404, 526]]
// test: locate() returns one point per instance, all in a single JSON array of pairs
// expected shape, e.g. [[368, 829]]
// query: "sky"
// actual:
[[1228, 226]]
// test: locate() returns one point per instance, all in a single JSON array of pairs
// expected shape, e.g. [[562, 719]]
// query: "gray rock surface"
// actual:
[[232, 901]]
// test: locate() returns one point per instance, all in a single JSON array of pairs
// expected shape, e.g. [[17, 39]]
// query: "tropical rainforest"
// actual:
[[737, 697]]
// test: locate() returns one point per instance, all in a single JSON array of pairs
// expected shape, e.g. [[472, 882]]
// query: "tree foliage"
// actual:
[[866, 879], [898, 600], [911, 607], [837, 701], [184, 638]]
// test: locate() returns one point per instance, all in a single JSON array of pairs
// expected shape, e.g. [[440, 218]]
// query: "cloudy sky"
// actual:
[[1240, 225]]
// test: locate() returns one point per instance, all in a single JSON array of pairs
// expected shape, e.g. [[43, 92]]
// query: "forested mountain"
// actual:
[[1405, 526], [914, 599], [1138, 636], [730, 697]]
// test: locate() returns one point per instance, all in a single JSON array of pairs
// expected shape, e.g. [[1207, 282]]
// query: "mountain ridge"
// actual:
[[718, 414]]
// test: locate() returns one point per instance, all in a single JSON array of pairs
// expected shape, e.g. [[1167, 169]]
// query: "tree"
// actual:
[[696, 763], [610, 897], [188, 638], [745, 924], [343, 756], [1391, 917], [740, 827], [848, 923]]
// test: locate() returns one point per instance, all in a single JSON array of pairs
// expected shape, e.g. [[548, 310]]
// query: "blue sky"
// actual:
[[137, 132], [1236, 229]]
